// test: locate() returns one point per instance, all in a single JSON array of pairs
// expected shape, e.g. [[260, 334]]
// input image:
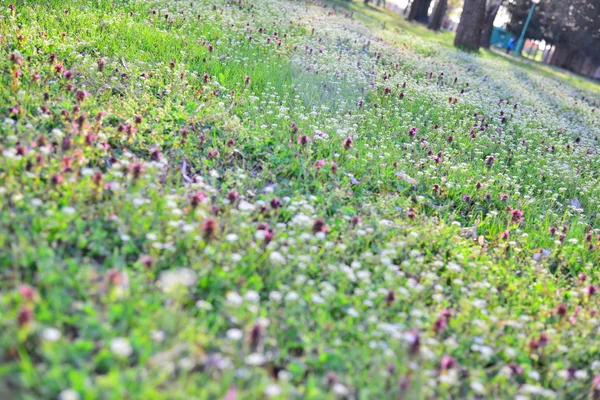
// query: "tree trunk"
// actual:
[[419, 10], [435, 22], [408, 7], [468, 34], [488, 22]]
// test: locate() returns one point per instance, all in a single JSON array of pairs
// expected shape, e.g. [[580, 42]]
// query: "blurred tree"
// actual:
[[438, 15], [493, 6], [573, 26], [419, 10], [468, 34]]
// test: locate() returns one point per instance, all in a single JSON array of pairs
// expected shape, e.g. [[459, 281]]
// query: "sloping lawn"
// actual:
[[244, 199]]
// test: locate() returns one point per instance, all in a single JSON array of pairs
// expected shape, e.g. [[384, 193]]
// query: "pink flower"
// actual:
[[447, 363], [319, 164]]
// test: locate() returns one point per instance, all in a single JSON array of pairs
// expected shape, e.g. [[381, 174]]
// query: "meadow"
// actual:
[[245, 199]]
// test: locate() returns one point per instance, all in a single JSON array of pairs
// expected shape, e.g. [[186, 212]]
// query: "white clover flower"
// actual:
[[234, 299], [340, 389], [255, 359], [157, 336], [170, 281], [275, 296], [273, 390], [69, 210], [204, 305], [51, 334], [68, 394], [252, 296], [292, 296], [121, 347], [301, 221], [477, 387], [245, 206], [277, 258], [234, 334], [232, 237]]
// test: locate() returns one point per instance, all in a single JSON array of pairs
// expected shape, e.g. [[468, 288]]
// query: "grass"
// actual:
[[236, 199], [387, 20]]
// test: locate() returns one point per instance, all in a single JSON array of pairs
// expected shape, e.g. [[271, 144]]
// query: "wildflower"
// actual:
[[56, 179], [209, 227], [414, 342], [51, 335], [319, 164], [233, 196], [595, 395], [25, 316], [255, 335], [505, 235], [390, 297], [319, 226], [333, 168], [515, 368], [440, 324], [413, 131], [170, 281], [411, 213], [272, 390], [155, 155], [197, 198], [147, 260], [275, 203], [561, 310], [101, 62], [121, 347], [591, 290], [543, 340], [255, 359], [268, 236], [137, 170], [447, 363], [81, 95], [294, 127], [28, 293], [303, 140], [347, 143], [97, 178], [69, 394], [516, 215]]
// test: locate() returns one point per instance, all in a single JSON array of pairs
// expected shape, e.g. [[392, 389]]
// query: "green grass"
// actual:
[[380, 18], [237, 199]]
